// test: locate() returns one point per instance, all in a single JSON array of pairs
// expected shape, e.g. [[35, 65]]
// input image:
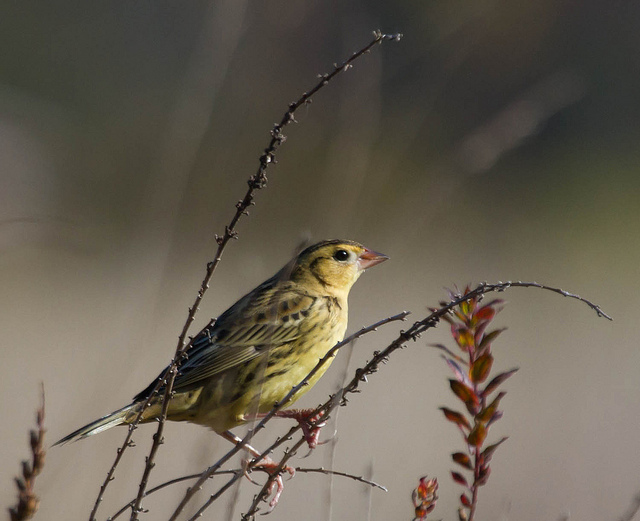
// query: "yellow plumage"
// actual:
[[262, 346]]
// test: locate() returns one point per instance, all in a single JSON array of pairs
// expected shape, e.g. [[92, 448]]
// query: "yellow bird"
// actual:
[[261, 347]]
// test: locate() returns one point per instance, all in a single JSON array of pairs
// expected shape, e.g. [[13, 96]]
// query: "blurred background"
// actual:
[[495, 141]]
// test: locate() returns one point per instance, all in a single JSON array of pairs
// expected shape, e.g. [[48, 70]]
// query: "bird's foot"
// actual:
[[277, 485], [309, 422]]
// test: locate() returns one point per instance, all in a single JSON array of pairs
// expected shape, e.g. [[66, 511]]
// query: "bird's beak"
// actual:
[[370, 258]]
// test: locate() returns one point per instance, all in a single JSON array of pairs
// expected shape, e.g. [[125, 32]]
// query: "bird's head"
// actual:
[[333, 266]]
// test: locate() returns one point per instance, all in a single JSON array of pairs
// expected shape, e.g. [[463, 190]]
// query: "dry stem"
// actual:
[[28, 502]]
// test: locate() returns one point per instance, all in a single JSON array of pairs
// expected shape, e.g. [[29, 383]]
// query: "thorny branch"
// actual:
[[167, 484], [329, 472], [256, 182]]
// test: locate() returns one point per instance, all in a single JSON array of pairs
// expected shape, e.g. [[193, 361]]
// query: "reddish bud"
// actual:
[[459, 479], [424, 497], [462, 459], [485, 313]]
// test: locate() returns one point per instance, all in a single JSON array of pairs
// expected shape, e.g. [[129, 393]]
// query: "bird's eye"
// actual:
[[341, 255]]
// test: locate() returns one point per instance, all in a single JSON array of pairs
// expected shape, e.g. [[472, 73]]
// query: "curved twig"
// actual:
[[502, 286], [167, 484], [329, 472]]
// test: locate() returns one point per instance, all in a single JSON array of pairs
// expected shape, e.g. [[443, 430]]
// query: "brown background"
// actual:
[[496, 141]]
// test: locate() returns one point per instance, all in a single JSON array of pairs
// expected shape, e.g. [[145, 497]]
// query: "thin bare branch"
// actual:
[[169, 483], [328, 472], [502, 286]]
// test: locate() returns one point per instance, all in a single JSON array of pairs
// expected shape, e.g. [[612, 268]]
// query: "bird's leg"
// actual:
[[267, 465], [309, 422], [230, 436]]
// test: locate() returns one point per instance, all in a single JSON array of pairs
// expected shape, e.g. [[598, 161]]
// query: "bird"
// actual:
[[252, 355]]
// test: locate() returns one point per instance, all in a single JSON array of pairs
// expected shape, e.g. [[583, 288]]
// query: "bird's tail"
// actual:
[[110, 420]]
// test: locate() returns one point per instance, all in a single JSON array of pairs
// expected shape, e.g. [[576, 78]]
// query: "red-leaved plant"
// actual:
[[424, 498], [469, 322]]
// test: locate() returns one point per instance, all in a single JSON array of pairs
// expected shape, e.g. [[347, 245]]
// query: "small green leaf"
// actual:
[[481, 368], [467, 307], [466, 340], [462, 336]]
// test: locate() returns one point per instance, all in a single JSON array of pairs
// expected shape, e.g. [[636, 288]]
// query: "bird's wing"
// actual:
[[267, 317]]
